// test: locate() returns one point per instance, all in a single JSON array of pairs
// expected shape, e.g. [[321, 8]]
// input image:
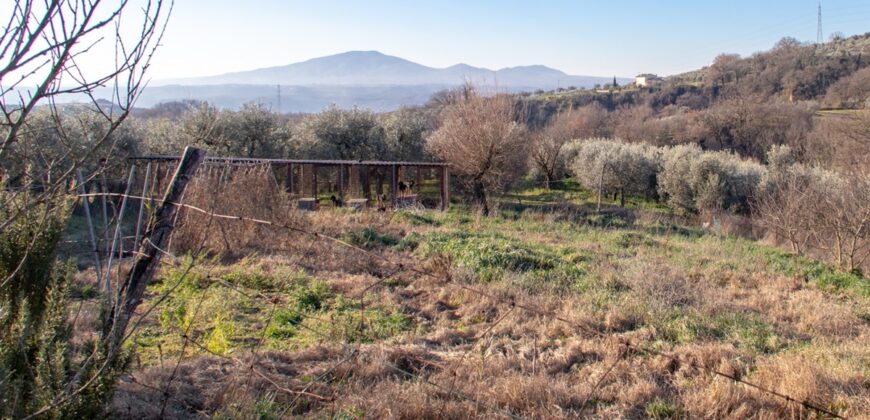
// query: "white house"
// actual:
[[646, 79]]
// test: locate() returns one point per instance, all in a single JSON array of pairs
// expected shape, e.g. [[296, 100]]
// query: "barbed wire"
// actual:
[[525, 307]]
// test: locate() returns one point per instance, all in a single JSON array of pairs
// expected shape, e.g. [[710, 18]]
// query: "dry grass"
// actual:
[[715, 303]]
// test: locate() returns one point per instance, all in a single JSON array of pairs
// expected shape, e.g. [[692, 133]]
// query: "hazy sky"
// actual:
[[614, 37]]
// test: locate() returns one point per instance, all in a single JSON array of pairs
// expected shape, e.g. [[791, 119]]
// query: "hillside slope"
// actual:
[[537, 312]]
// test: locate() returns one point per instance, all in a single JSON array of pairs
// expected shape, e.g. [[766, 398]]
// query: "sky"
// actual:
[[600, 38]]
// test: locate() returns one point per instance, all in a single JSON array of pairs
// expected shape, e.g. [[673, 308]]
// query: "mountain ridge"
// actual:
[[373, 68], [369, 79]]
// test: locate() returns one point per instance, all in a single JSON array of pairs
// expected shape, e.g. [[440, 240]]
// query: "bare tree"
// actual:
[[548, 145], [818, 211], [783, 206], [50, 54], [842, 220], [47, 52], [483, 143]]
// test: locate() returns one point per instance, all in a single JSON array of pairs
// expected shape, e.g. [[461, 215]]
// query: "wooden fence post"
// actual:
[[117, 236], [133, 287], [341, 183], [142, 207], [314, 183]]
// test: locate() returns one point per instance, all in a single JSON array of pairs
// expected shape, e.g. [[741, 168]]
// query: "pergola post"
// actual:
[[364, 180], [445, 187], [314, 181], [341, 182], [394, 184], [290, 178]]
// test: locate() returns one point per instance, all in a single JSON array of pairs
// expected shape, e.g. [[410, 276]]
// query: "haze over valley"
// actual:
[[368, 79]]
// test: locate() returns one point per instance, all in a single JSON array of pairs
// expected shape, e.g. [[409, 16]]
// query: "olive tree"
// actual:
[[335, 133], [483, 143], [405, 134], [253, 131], [614, 166], [693, 180]]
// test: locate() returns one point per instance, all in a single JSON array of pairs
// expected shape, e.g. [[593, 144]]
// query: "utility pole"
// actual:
[[279, 99], [819, 34]]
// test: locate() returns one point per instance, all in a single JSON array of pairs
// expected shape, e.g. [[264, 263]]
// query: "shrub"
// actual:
[[37, 356]]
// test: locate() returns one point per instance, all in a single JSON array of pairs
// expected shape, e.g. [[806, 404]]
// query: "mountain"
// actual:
[[372, 68], [356, 78]]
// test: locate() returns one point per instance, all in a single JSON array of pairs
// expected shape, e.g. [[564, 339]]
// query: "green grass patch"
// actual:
[[820, 274], [661, 409], [369, 238], [230, 314], [415, 218], [493, 257], [746, 331]]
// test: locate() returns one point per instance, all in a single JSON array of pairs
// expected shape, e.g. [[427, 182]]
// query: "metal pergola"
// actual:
[[353, 180]]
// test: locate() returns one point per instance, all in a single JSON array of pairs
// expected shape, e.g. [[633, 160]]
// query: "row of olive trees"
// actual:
[[254, 131], [814, 210], [685, 177]]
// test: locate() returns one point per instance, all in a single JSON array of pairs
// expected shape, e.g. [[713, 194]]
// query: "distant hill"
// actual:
[[364, 78]]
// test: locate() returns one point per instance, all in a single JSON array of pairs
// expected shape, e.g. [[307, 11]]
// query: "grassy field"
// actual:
[[542, 310]]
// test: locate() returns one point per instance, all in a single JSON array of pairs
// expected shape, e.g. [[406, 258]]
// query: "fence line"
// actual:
[[530, 309]]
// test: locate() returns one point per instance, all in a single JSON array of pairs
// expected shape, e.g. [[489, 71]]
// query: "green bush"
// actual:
[[37, 358], [616, 166]]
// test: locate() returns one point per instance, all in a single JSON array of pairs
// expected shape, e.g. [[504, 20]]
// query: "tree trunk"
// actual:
[[479, 191]]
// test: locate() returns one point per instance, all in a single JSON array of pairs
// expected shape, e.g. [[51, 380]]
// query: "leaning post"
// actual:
[[131, 291]]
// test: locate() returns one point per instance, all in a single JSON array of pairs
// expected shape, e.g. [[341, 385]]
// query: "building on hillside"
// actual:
[[646, 80]]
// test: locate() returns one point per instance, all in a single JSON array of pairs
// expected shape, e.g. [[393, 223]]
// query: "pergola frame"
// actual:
[[362, 168]]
